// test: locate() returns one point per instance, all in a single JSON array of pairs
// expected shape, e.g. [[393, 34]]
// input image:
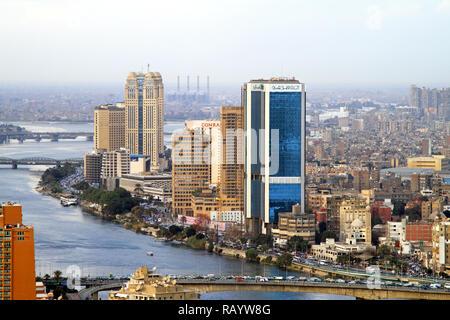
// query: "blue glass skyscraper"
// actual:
[[275, 149]]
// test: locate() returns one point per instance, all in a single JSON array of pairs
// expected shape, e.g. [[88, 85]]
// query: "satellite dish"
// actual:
[[154, 268]]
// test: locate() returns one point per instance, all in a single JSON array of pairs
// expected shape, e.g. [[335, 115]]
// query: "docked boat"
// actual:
[[69, 201]]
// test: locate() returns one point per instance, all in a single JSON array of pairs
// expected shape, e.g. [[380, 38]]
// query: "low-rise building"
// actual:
[[331, 250], [292, 224], [145, 285]]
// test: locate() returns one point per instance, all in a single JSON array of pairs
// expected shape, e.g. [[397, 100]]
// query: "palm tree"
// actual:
[[183, 220], [57, 275], [138, 189], [47, 277]]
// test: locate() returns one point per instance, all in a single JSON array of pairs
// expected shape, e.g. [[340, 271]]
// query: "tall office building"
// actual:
[[274, 150], [212, 129], [109, 127], [144, 115], [17, 265], [191, 168], [426, 147], [415, 96], [232, 164]]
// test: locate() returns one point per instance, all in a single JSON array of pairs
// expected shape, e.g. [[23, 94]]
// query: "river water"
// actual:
[[67, 236]]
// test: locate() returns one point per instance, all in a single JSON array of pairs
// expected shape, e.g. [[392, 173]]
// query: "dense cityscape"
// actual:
[[257, 151]]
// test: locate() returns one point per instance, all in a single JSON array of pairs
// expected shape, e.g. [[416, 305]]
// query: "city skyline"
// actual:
[[68, 41]]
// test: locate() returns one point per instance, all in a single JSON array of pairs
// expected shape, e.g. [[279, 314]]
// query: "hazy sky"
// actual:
[[319, 42]]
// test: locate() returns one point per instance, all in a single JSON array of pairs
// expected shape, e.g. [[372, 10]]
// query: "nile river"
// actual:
[[67, 236]]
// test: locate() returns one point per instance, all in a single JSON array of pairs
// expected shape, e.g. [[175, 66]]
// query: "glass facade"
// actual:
[[285, 115], [282, 197]]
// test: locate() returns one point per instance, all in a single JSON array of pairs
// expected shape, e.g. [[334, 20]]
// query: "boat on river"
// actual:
[[149, 253], [66, 202]]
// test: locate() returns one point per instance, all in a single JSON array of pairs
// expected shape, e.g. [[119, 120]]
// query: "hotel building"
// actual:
[[17, 266], [144, 115], [109, 127], [274, 150], [191, 167]]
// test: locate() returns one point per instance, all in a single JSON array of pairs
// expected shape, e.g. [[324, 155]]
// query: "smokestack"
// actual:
[[178, 83], [198, 84], [187, 83], [207, 86]]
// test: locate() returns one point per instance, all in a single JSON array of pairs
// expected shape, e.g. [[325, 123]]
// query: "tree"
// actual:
[[57, 275], [284, 260], [183, 220], [297, 243], [190, 231], [322, 227], [252, 254], [328, 234], [399, 208], [267, 259], [174, 230], [376, 220], [138, 189], [201, 223], [210, 246]]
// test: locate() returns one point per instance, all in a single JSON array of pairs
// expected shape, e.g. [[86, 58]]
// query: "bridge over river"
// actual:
[[357, 290], [38, 161]]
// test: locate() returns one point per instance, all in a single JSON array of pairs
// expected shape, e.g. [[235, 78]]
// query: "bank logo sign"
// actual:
[[285, 87], [258, 86]]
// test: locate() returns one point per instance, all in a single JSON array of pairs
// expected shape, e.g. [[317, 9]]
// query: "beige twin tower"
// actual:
[[138, 123]]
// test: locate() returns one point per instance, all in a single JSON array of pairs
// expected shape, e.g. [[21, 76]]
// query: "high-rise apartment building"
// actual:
[[93, 166], [426, 147], [144, 115], [115, 163], [17, 265], [274, 149], [232, 164], [433, 101], [109, 127], [211, 128], [191, 167]]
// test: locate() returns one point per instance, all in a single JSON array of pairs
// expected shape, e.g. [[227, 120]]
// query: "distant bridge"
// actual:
[[54, 136], [38, 161]]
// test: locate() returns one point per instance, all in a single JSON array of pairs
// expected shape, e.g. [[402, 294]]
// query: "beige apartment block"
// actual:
[[109, 127]]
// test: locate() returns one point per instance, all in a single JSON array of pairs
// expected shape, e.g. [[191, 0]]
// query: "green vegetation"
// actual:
[[252, 255], [284, 261], [327, 235], [210, 246], [52, 176], [399, 208], [297, 243], [196, 243], [114, 202], [267, 260]]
